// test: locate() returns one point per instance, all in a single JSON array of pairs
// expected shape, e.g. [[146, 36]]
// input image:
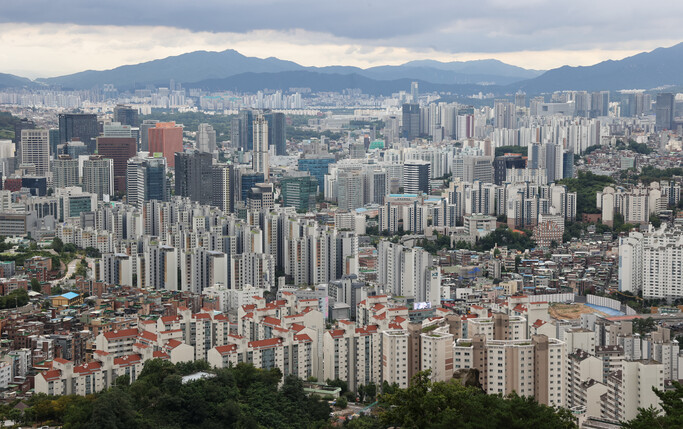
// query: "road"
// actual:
[[71, 269]]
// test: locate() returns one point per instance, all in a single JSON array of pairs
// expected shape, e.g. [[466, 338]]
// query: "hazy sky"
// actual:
[[40, 38]]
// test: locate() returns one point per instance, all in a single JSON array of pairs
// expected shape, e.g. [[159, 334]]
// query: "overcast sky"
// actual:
[[41, 38]]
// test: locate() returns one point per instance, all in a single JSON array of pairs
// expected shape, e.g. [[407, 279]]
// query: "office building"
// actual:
[[79, 126], [664, 111], [65, 172], [206, 139], [98, 176], [193, 178], [119, 150], [144, 133], [166, 138], [35, 150], [146, 180], [126, 115], [318, 167], [411, 121], [416, 177], [276, 133], [242, 129], [349, 189], [299, 191], [260, 161]]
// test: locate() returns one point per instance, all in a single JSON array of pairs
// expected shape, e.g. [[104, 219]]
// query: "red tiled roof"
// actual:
[[128, 360], [102, 352], [222, 317], [346, 322], [141, 346], [303, 337], [260, 344], [229, 348], [60, 360], [398, 309], [88, 368], [52, 374], [169, 319], [296, 327], [124, 333], [201, 316], [336, 333], [173, 343], [271, 321], [160, 355], [148, 336]]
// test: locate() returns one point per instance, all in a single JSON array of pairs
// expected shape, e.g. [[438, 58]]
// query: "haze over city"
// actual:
[[362, 214]]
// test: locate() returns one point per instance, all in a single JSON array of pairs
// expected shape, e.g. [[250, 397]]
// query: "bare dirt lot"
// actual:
[[571, 311]]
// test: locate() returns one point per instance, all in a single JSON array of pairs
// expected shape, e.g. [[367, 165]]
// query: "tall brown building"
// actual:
[[120, 150], [166, 138]]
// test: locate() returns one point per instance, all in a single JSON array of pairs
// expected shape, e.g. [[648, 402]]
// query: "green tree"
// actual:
[[57, 245], [35, 285], [427, 404], [342, 403]]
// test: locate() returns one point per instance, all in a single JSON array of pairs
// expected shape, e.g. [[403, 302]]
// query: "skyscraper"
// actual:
[[222, 187], [24, 124], [35, 150], [260, 160], [144, 133], [166, 138], [411, 121], [414, 92], [206, 139], [79, 126], [119, 149], [146, 180], [126, 115], [276, 133], [416, 176], [193, 176], [245, 132], [299, 191], [98, 176], [504, 114], [664, 111], [65, 172]]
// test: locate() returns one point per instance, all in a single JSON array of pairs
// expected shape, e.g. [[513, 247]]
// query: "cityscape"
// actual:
[[213, 239]]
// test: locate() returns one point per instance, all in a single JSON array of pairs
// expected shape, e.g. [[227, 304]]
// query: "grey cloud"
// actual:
[[444, 25]]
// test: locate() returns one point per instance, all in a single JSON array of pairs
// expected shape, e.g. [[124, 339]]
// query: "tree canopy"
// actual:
[[427, 404], [242, 396]]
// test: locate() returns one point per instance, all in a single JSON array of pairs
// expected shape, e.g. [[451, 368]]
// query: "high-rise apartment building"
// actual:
[[98, 176], [65, 172], [223, 195], [166, 138], [35, 150]]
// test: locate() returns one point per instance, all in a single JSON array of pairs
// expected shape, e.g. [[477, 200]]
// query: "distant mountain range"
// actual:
[[12, 81], [209, 66], [231, 70]]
